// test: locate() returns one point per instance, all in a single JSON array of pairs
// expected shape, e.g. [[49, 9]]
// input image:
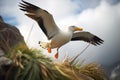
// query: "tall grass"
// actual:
[[29, 64]]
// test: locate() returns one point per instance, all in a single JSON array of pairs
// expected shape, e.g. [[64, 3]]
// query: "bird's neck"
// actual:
[[70, 31]]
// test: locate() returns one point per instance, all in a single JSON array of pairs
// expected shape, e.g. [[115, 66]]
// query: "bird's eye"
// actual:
[[73, 26]]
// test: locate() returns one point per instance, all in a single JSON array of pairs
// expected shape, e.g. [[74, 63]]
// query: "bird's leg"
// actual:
[[49, 48], [56, 55]]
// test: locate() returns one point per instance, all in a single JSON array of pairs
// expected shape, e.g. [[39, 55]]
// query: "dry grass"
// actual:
[[94, 71], [33, 65]]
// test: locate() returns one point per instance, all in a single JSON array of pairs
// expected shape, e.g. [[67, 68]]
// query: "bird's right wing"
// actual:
[[87, 37], [44, 18]]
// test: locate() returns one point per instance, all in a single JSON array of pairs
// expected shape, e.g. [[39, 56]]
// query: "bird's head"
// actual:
[[75, 28]]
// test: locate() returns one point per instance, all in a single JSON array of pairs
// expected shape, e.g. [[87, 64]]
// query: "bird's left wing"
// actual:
[[43, 18], [87, 37]]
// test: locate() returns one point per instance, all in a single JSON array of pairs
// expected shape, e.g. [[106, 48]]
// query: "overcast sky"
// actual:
[[100, 17]]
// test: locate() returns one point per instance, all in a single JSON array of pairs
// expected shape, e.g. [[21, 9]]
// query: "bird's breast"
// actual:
[[60, 39]]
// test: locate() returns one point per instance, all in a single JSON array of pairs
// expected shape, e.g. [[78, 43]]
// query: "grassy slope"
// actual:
[[33, 65]]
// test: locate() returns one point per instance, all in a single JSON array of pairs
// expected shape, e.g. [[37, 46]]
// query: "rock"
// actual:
[[2, 52], [1, 19], [10, 38]]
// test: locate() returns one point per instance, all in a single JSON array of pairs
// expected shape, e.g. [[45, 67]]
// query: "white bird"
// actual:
[[56, 36]]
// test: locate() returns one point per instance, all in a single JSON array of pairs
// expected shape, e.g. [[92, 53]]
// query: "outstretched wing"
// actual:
[[87, 37], [43, 18]]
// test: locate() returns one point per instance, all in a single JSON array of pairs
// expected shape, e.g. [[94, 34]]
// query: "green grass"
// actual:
[[31, 64]]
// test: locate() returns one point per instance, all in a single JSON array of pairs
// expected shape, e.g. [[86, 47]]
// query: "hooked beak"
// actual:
[[78, 29]]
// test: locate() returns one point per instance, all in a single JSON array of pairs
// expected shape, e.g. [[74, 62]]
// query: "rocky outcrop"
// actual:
[[1, 19], [10, 38]]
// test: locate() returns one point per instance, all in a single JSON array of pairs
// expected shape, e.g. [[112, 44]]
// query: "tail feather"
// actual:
[[44, 45]]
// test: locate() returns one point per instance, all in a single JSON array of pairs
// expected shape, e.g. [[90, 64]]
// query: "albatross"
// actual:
[[56, 37]]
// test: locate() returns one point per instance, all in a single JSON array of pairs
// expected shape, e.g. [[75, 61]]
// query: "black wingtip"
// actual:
[[26, 6], [24, 1], [97, 41]]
